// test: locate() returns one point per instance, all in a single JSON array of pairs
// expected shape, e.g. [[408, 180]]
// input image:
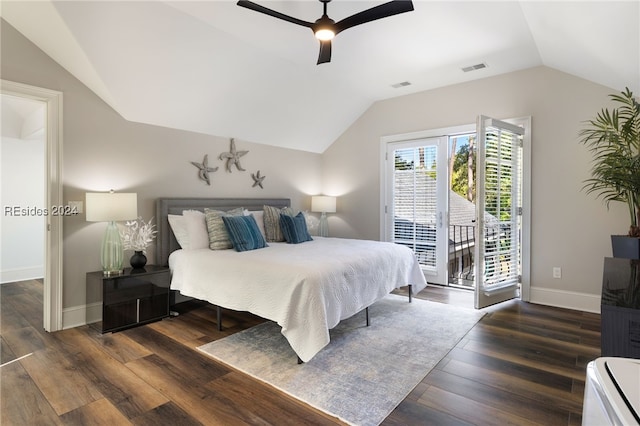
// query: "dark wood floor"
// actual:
[[521, 364]]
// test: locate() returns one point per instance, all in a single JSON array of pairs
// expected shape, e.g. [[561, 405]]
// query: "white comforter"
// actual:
[[305, 288]]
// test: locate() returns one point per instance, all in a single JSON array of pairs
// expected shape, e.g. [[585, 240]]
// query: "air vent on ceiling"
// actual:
[[401, 84], [474, 67]]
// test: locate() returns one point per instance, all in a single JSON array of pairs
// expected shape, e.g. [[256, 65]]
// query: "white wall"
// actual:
[[569, 229], [22, 163], [102, 151]]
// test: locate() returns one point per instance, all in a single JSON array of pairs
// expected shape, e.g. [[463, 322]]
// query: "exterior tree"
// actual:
[[461, 182], [471, 164]]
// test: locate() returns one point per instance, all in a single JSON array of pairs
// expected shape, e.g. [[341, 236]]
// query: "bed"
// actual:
[[307, 288]]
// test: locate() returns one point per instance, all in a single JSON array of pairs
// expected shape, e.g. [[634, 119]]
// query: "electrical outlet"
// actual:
[[557, 272]]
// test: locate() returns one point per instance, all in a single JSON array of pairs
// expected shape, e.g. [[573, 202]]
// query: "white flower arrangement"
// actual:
[[138, 234]]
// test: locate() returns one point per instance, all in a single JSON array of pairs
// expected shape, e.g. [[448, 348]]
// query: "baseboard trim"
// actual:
[[21, 274], [565, 299], [81, 315]]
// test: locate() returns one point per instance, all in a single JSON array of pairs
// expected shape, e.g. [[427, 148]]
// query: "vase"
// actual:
[[625, 247], [138, 260]]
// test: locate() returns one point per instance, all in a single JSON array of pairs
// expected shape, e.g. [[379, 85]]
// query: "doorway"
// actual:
[[52, 282], [505, 247], [23, 189]]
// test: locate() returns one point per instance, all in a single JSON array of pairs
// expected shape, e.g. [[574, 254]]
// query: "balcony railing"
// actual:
[[461, 253], [421, 239]]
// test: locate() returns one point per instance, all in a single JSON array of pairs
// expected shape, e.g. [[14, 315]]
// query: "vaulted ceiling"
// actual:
[[216, 68]]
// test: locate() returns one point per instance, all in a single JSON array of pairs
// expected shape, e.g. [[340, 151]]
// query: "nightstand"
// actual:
[[133, 298]]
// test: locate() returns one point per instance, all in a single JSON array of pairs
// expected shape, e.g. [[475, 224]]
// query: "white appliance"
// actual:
[[612, 392]]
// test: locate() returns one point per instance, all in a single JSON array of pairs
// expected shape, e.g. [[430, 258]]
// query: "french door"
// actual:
[[416, 213], [498, 236]]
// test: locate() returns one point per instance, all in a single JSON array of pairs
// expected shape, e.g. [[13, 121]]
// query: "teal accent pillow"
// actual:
[[244, 233], [294, 228], [271, 218]]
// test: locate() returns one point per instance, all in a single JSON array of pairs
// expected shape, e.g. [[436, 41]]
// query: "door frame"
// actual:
[[385, 141], [52, 291], [525, 285]]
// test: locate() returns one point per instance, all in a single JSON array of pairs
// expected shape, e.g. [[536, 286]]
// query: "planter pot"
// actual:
[[625, 247]]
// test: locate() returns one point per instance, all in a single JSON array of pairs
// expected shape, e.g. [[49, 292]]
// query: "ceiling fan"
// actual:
[[326, 28]]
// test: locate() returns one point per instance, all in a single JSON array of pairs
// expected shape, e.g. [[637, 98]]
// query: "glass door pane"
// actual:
[[417, 189], [462, 210]]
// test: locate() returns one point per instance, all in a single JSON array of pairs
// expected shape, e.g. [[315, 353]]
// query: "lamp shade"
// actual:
[[323, 204], [111, 206]]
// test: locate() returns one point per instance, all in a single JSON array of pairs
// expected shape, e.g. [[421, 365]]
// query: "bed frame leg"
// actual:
[[219, 317], [366, 312], [300, 361], [410, 291]]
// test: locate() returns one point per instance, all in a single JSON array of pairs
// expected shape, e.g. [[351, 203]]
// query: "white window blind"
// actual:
[[415, 202], [502, 201]]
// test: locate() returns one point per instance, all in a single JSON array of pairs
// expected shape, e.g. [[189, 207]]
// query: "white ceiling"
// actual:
[[216, 68]]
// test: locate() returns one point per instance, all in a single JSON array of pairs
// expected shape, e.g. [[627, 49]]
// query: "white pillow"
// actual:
[[196, 226], [179, 228], [258, 215]]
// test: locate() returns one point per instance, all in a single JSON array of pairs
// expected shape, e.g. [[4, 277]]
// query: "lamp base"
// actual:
[[323, 226], [112, 251]]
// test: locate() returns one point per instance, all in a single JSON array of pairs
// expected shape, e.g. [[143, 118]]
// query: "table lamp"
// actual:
[[323, 204], [111, 207]]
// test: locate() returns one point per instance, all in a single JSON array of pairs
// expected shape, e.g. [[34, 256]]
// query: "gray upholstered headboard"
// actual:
[[166, 242]]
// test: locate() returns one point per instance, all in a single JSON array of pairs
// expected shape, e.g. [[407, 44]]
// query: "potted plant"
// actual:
[[136, 236], [614, 139]]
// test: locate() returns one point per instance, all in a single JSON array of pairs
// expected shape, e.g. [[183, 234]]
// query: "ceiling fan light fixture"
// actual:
[[324, 28], [325, 34]]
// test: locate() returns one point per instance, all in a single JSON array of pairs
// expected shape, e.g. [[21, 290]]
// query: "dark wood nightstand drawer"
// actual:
[[133, 298], [119, 290]]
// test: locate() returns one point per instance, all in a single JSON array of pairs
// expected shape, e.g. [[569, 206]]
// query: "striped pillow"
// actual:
[[272, 222], [244, 233], [218, 235], [294, 228]]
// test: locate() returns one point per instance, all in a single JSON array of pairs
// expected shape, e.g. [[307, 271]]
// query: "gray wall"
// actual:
[[569, 228], [102, 151]]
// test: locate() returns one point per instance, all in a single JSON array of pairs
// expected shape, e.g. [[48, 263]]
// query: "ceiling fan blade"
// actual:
[[256, 7], [325, 52], [382, 11]]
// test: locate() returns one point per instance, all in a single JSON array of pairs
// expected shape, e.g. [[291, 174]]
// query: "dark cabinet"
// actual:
[[133, 298], [620, 308]]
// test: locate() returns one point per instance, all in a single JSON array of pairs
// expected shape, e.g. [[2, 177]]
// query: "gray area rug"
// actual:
[[364, 372]]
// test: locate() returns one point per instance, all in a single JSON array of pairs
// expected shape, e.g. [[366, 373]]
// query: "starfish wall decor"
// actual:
[[257, 179], [204, 169], [233, 157]]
